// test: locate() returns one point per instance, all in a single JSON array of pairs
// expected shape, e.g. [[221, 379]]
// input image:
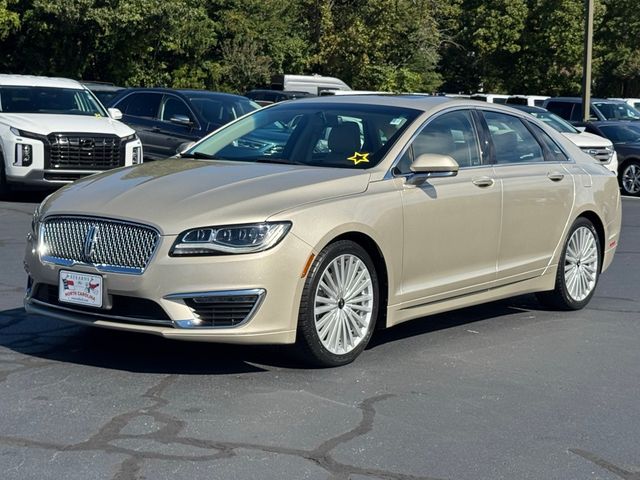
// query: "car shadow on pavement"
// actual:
[[457, 318], [64, 342], [25, 196], [58, 341]]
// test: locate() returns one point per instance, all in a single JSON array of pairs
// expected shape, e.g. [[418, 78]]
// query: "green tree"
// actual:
[[552, 48], [481, 55], [9, 20], [617, 45], [374, 44]]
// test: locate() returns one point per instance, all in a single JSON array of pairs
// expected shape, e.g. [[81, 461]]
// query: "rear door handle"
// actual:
[[483, 181], [555, 176]]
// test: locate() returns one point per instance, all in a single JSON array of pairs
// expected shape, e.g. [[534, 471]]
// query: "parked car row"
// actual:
[[157, 123]]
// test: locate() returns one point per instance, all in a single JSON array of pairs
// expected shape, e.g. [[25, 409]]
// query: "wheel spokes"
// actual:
[[343, 304]]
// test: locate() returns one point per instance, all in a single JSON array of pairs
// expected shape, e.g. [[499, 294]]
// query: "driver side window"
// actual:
[[451, 134]]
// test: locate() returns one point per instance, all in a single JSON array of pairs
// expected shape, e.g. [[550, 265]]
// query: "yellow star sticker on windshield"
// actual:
[[359, 158]]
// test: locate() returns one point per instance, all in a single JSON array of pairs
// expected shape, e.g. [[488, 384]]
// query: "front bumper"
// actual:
[[40, 174], [169, 281]]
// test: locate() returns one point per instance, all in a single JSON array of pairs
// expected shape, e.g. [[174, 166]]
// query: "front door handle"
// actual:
[[483, 181], [555, 176]]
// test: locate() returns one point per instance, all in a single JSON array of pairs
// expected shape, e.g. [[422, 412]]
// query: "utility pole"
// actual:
[[586, 64]]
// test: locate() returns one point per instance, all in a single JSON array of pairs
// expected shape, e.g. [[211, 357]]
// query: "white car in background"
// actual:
[[54, 131], [598, 147]]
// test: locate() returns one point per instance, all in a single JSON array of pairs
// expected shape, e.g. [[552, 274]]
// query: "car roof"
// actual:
[[101, 86], [417, 102], [614, 123], [184, 93], [528, 108], [37, 81], [579, 100]]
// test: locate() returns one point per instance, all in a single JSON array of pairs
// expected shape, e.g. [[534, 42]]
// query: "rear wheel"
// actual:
[[339, 305], [630, 178], [578, 269]]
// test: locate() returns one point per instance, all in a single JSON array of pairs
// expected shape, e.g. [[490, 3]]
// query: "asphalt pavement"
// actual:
[[506, 390]]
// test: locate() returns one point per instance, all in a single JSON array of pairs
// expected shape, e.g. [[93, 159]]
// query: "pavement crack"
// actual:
[[602, 463]]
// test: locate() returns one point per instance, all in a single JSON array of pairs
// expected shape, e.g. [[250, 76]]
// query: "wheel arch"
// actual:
[[379, 261], [594, 218]]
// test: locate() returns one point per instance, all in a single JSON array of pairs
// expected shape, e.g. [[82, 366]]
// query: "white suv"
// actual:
[[54, 131]]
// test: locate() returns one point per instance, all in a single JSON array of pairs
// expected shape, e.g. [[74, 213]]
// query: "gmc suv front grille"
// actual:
[[85, 151]]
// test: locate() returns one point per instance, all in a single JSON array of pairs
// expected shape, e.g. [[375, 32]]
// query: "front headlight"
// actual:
[[251, 238], [130, 138], [610, 151]]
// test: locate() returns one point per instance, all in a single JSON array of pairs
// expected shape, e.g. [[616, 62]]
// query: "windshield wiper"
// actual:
[[197, 155], [282, 161]]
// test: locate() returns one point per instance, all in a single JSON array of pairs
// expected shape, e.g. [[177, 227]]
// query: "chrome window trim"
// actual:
[[63, 262], [191, 324], [390, 175]]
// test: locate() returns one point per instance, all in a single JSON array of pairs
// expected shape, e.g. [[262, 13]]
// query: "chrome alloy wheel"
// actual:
[[343, 304], [581, 264], [631, 179]]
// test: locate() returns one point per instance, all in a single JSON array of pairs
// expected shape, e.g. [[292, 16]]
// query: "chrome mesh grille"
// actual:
[[108, 244], [601, 154]]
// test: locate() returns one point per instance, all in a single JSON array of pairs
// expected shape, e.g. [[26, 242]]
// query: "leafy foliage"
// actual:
[[517, 46]]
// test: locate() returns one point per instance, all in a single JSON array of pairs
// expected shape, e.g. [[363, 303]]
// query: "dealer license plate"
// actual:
[[80, 288]]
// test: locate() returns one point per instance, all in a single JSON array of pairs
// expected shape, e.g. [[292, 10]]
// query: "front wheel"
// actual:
[[4, 186], [578, 269], [630, 178], [339, 305]]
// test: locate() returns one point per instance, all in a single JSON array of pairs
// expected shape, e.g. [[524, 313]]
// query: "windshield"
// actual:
[[617, 111], [61, 101], [622, 133], [555, 122], [318, 134]]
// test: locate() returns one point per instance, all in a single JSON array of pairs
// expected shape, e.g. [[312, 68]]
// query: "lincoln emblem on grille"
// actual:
[[90, 242], [87, 143]]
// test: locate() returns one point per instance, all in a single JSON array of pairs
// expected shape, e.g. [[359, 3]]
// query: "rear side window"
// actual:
[[554, 152], [512, 141], [141, 105]]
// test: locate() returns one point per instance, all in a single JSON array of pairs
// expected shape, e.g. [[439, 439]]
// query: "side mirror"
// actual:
[[432, 165], [181, 120], [183, 147], [115, 113], [581, 128]]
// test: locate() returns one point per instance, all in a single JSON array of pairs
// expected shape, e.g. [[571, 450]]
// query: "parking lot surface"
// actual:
[[506, 390]]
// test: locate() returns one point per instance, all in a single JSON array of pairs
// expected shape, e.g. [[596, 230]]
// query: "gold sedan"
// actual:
[[313, 222]]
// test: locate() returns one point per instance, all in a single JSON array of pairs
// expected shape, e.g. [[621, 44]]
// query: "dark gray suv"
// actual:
[[165, 119], [570, 108]]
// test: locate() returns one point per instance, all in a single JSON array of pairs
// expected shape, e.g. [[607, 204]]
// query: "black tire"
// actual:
[[4, 185], [630, 169], [309, 344], [559, 298]]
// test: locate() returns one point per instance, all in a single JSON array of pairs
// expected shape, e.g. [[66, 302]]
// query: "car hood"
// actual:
[[586, 139], [44, 124], [175, 195]]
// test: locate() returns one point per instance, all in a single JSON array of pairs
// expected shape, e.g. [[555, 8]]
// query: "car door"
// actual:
[[177, 125], [140, 112], [537, 195], [451, 224]]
